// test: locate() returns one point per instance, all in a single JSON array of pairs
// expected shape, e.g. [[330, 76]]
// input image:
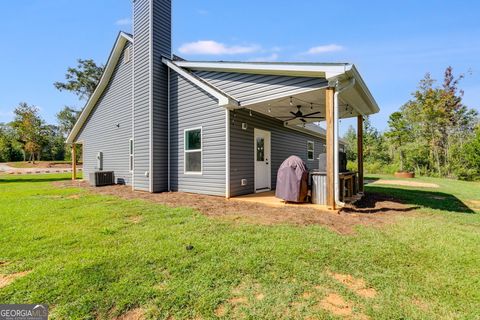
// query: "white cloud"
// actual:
[[210, 47], [124, 22], [270, 58], [325, 49]]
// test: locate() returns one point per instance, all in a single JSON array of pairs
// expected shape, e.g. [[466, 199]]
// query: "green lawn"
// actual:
[[93, 256]]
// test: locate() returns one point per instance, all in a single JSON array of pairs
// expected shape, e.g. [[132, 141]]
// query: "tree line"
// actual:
[[432, 134], [29, 138]]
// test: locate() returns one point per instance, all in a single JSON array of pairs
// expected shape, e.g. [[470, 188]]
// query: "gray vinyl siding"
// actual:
[[161, 47], [251, 88], [284, 143], [141, 92], [108, 128], [191, 107]]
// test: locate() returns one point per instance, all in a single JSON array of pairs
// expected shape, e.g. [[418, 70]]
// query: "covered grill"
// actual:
[[292, 180]]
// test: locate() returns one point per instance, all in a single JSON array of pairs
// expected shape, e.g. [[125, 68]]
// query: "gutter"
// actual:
[[336, 148]]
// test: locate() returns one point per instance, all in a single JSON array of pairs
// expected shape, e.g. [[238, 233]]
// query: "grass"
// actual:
[[93, 256]]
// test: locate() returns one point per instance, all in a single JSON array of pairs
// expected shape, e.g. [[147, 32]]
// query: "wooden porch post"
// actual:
[[74, 162], [329, 96], [360, 152]]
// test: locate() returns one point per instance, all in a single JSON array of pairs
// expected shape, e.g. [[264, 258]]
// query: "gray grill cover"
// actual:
[[292, 180]]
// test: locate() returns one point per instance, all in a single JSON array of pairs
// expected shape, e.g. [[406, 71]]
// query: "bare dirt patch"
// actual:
[[221, 311], [259, 296], [406, 183], [358, 286], [42, 164], [6, 279], [135, 219], [135, 314], [336, 305], [474, 204], [343, 222]]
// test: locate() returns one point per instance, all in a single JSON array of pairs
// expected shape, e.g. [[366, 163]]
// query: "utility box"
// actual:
[[101, 178]]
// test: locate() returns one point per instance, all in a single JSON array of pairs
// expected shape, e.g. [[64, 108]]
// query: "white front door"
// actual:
[[262, 160]]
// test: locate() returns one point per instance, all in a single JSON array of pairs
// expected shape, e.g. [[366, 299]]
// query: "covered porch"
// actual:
[[318, 110], [306, 97]]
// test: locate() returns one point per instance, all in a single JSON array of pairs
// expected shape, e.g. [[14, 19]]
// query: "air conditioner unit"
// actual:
[[101, 178]]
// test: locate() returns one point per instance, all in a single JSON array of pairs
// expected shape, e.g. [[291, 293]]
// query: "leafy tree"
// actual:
[[350, 139], [471, 151], [374, 146], [398, 135], [66, 119], [54, 144], [29, 130], [83, 79]]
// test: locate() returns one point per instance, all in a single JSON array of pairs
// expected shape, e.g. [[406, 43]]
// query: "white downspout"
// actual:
[[335, 142]]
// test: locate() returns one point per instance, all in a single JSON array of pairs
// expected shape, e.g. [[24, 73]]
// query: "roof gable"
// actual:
[[122, 39]]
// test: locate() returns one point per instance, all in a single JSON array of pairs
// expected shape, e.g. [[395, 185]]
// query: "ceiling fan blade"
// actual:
[[311, 114], [303, 120], [293, 113], [315, 117]]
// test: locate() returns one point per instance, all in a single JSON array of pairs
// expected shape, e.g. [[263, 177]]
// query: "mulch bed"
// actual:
[[372, 210]]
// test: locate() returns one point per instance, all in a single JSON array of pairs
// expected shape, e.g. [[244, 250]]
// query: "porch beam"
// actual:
[[74, 162], [360, 152], [329, 104]]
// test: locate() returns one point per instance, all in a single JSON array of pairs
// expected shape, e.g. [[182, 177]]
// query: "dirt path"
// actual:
[[6, 169], [373, 210], [406, 183]]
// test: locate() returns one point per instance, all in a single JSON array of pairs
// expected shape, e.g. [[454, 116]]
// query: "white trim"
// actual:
[[150, 88], [313, 150], [191, 151], [255, 130], [329, 71], [133, 106], [291, 69], [227, 153], [223, 99], [168, 133], [117, 50]]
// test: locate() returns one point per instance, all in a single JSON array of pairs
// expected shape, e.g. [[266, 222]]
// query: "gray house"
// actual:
[[220, 128]]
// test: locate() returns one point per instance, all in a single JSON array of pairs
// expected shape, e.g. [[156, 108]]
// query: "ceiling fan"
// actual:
[[299, 115]]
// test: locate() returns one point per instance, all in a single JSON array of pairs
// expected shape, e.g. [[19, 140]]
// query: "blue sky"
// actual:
[[392, 43]]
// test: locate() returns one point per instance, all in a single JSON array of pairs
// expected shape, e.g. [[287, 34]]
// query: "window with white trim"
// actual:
[[193, 150], [310, 150], [130, 148]]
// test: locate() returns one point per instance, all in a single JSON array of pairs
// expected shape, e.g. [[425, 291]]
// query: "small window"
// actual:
[[126, 55], [131, 155], [260, 149], [193, 151], [310, 150]]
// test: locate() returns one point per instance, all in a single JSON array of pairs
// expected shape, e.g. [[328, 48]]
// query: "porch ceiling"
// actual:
[[309, 102]]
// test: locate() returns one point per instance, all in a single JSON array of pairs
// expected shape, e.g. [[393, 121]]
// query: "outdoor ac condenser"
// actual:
[[101, 178]]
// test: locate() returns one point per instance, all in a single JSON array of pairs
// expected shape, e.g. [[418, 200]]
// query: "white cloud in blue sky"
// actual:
[[328, 48], [124, 22], [211, 47]]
